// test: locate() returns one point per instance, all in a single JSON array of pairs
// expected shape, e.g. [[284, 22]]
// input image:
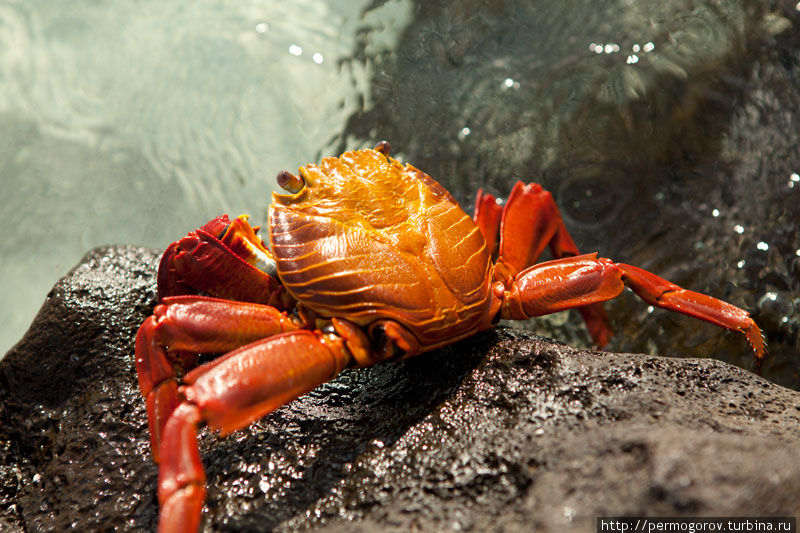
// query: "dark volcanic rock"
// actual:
[[504, 431]]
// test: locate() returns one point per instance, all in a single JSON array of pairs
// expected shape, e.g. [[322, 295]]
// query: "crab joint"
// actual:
[[289, 182]]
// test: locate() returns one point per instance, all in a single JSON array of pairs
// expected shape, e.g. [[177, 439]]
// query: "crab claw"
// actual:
[[168, 283], [223, 258]]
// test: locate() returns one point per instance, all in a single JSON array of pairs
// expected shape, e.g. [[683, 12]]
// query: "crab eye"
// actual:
[[289, 182], [383, 147]]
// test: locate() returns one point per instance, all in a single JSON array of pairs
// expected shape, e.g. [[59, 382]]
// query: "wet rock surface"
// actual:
[[504, 431]]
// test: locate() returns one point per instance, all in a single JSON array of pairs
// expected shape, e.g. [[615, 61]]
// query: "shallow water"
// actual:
[[135, 122], [665, 131]]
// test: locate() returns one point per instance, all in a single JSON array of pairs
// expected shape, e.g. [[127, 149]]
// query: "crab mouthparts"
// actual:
[[289, 182]]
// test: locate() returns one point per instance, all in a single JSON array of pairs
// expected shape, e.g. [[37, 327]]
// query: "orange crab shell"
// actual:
[[369, 238]]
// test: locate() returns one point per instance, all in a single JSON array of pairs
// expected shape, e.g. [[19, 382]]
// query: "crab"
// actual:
[[369, 260]]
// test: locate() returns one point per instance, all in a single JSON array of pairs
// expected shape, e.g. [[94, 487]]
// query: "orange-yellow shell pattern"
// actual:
[[369, 238]]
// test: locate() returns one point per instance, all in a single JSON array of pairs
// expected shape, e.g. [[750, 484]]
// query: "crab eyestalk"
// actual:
[[383, 147], [290, 182]]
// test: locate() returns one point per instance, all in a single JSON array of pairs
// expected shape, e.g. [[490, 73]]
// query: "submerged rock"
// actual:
[[503, 431]]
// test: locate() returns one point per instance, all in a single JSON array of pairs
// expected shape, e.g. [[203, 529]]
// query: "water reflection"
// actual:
[[133, 122]]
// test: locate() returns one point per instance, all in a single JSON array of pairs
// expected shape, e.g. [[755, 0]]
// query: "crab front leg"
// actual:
[[520, 230], [183, 325], [228, 394], [578, 281], [222, 258], [236, 389]]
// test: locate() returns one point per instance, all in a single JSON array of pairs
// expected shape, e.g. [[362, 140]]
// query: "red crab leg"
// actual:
[[228, 394], [194, 324], [223, 258], [488, 214], [578, 281], [529, 221]]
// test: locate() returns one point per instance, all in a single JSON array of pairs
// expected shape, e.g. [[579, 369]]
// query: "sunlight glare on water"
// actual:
[[132, 123]]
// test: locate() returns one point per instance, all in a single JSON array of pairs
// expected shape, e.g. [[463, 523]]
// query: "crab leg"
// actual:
[[586, 279], [487, 216], [193, 324], [529, 221], [228, 394]]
